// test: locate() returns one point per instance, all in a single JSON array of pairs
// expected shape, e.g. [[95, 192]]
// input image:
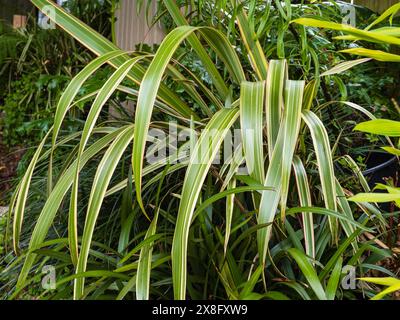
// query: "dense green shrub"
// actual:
[[121, 228], [35, 66]]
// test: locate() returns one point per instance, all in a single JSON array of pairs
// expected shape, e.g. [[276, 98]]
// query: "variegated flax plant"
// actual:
[[118, 227]]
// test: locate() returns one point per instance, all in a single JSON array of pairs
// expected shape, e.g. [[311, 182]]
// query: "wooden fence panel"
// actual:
[[132, 29], [376, 5]]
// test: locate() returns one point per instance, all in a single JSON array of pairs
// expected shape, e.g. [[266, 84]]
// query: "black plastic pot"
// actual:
[[380, 165]]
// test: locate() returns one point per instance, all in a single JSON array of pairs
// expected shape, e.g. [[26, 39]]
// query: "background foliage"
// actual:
[[117, 227]]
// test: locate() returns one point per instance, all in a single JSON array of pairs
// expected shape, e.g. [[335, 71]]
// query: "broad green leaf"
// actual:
[[380, 126], [374, 54], [388, 30], [387, 281], [375, 197], [361, 34], [388, 188], [389, 290], [392, 284], [392, 150], [391, 31]]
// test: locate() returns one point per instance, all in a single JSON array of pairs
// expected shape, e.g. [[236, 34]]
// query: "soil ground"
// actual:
[[8, 164]]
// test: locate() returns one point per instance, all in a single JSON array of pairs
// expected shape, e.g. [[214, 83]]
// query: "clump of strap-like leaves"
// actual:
[[190, 228]]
